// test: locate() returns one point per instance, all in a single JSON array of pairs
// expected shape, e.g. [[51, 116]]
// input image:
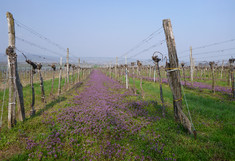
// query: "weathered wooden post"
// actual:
[[174, 77], [73, 68], [213, 76], [133, 76], [231, 61], [150, 71], [182, 64], [67, 66], [65, 76], [12, 87], [53, 78], [39, 67], [156, 60], [222, 68], [110, 74], [33, 67], [15, 86], [116, 68], [191, 66], [154, 73], [60, 77], [79, 70], [126, 73], [140, 77]]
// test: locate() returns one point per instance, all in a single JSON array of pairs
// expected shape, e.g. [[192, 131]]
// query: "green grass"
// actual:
[[13, 141], [213, 119]]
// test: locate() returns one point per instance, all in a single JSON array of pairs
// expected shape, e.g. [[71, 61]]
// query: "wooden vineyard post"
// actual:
[[73, 68], [156, 60], [133, 76], [174, 77], [65, 76], [39, 67], [154, 73], [82, 70], [116, 68], [53, 78], [83, 73], [182, 65], [191, 66], [213, 75], [140, 77], [12, 86], [118, 73], [231, 61], [126, 66], [60, 77], [79, 70], [33, 67], [150, 71], [67, 67], [222, 68], [123, 78], [110, 74], [10, 52], [15, 86]]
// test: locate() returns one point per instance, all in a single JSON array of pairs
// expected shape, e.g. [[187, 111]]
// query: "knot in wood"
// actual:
[[10, 51], [39, 66], [73, 66], [31, 63], [132, 63], [211, 63], [139, 63], [53, 67], [156, 59], [182, 64]]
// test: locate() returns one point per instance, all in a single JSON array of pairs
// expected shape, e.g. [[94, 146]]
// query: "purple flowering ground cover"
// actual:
[[102, 122], [197, 85]]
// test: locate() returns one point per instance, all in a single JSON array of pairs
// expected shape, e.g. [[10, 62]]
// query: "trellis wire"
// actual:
[[4, 93]]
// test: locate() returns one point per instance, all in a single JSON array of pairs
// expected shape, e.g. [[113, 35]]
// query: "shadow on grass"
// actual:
[[48, 106]]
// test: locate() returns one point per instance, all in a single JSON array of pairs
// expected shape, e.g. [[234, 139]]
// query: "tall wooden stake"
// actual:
[[33, 67], [141, 78], [133, 76], [154, 73], [15, 86], [222, 68], [43, 99], [67, 66], [116, 67], [156, 60], [213, 76], [60, 77], [191, 66], [182, 64], [174, 76], [126, 73], [79, 70], [12, 86], [231, 61], [53, 78]]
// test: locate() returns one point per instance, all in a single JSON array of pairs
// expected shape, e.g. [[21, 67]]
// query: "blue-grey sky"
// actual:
[[109, 28]]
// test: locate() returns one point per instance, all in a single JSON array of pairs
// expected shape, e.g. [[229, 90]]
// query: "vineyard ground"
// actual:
[[213, 117]]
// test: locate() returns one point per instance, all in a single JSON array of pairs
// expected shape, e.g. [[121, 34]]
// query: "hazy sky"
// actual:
[[109, 28]]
